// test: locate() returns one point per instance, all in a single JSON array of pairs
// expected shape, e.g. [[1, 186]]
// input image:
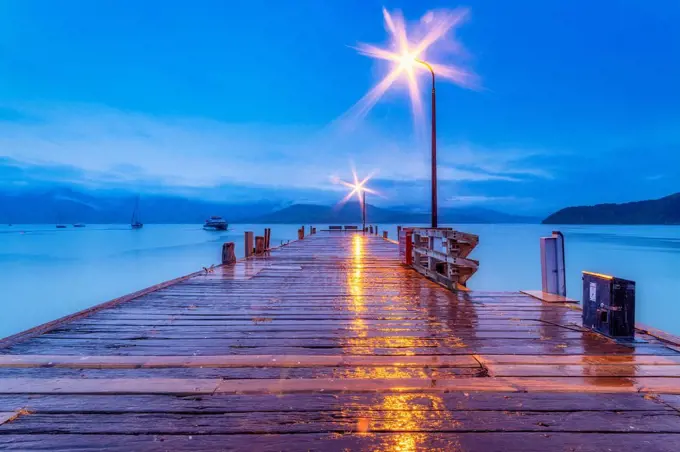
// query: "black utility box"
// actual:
[[609, 305]]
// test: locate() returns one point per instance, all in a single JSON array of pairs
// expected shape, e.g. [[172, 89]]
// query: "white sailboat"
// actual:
[[134, 222]]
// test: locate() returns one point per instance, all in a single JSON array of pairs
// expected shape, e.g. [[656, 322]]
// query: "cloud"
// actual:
[[481, 199], [501, 163], [108, 145]]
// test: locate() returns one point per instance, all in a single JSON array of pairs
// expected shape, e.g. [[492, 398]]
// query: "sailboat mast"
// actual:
[[134, 212]]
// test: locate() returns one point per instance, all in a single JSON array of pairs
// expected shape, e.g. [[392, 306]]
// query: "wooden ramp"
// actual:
[[329, 343]]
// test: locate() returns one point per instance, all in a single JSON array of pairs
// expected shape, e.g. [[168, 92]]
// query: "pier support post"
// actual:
[[248, 242], [301, 234], [267, 238], [398, 232], [228, 253], [259, 245], [384, 234], [302, 228], [370, 229]]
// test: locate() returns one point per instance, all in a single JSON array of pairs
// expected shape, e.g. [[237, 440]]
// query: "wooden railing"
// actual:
[[441, 254]]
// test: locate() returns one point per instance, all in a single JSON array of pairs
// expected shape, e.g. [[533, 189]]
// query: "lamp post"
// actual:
[[359, 189], [363, 211], [434, 145]]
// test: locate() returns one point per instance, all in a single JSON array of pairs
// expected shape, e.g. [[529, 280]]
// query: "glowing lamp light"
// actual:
[[409, 50], [359, 189]]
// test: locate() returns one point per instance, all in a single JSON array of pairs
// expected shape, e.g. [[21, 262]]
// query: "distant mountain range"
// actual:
[[351, 213], [658, 211], [65, 205], [69, 206]]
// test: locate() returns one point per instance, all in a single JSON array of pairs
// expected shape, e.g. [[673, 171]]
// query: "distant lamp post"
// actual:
[[359, 188], [363, 211]]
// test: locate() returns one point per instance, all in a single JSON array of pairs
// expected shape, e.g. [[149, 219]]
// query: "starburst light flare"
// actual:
[[408, 54], [358, 188]]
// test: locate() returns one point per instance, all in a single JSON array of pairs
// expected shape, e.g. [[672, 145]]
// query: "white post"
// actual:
[[552, 264]]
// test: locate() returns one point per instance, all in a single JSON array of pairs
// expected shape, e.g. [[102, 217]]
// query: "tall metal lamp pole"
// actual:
[[434, 145], [363, 210]]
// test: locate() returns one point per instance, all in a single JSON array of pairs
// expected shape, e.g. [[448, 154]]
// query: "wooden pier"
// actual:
[[330, 343]]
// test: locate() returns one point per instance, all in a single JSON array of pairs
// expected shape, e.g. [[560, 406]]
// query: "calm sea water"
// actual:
[[46, 273]]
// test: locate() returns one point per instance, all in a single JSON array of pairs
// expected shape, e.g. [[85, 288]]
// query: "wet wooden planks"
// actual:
[[470, 441], [330, 343]]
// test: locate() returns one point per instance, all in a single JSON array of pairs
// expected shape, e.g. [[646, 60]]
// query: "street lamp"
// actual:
[[434, 144], [360, 189], [363, 211], [405, 54]]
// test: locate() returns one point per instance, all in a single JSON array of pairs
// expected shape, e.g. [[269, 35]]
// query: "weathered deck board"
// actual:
[[329, 343], [488, 441]]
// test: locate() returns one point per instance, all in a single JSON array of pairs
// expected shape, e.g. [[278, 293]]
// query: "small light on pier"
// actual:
[[359, 189]]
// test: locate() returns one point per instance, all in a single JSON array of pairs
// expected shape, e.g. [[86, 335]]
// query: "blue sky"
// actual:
[[578, 101]]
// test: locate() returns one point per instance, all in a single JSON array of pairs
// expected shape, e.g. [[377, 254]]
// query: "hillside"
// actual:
[[66, 205], [351, 213], [658, 211], [69, 206], [347, 213]]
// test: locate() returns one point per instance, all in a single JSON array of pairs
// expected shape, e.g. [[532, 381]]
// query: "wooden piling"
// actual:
[[398, 232], [301, 234], [370, 229], [248, 243], [228, 253], [384, 234], [259, 245], [267, 238]]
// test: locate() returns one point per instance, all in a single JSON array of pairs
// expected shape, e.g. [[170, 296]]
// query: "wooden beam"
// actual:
[[219, 361]]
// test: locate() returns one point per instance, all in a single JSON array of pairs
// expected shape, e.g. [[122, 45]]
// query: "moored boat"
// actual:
[[134, 222], [215, 223]]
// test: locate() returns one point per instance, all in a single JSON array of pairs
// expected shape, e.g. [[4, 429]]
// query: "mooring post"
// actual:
[[376, 229], [259, 244], [302, 228], [267, 237], [384, 234], [553, 273], [398, 232], [248, 243], [228, 253], [370, 229], [301, 234]]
